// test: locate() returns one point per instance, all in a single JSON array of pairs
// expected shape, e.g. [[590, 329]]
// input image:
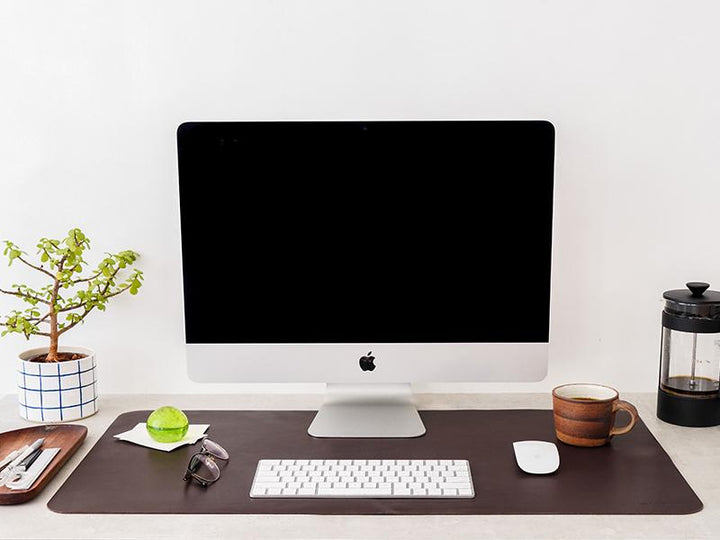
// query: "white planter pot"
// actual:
[[59, 391]]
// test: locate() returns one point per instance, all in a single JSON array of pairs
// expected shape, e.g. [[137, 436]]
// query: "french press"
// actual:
[[690, 357]]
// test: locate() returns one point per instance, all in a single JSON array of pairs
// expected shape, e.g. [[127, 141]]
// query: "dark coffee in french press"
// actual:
[[690, 357]]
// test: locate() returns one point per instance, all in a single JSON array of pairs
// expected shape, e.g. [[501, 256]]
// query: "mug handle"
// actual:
[[629, 408]]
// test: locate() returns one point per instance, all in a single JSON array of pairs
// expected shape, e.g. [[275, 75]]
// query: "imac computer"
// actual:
[[367, 255]]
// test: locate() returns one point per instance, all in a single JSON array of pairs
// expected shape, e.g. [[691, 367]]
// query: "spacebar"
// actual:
[[354, 492]]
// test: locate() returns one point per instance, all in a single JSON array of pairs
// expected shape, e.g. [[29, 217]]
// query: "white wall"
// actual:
[[91, 93]]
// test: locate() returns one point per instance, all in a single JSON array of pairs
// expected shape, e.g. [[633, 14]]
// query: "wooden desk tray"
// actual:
[[66, 437]]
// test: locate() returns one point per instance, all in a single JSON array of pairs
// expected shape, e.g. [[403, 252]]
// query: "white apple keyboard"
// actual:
[[363, 478]]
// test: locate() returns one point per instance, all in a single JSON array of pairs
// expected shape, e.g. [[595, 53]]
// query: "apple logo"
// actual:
[[366, 362]]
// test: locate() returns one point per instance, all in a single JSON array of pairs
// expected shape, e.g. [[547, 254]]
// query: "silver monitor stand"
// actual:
[[367, 411]]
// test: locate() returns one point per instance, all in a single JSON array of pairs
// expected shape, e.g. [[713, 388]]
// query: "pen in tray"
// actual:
[[11, 457]]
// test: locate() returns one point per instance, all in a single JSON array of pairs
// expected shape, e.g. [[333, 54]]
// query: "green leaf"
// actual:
[[14, 254]]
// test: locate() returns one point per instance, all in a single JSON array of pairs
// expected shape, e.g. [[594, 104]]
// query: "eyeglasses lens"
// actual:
[[215, 450], [203, 469]]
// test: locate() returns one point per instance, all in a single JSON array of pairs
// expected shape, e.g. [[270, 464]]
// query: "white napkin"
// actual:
[[139, 435]]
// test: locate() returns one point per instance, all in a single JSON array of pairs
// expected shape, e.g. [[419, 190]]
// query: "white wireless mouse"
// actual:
[[537, 457]]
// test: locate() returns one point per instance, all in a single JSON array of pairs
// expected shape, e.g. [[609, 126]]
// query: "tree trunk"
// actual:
[[52, 355]]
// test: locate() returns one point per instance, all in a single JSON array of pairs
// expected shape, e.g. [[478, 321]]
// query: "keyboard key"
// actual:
[[458, 479], [357, 492], [268, 479]]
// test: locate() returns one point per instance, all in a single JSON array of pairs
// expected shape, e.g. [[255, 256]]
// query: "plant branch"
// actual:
[[88, 310], [39, 268], [107, 285], [75, 282], [69, 308], [75, 322], [27, 335], [23, 295], [125, 288]]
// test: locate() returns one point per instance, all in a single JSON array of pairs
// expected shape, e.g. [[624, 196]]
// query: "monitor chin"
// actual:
[[343, 363]]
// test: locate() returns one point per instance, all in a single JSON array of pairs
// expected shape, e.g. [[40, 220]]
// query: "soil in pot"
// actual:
[[62, 357]]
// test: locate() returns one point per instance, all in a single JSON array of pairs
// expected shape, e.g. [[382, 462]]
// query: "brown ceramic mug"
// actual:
[[584, 414]]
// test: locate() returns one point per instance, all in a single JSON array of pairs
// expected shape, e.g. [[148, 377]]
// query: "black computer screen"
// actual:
[[366, 232]]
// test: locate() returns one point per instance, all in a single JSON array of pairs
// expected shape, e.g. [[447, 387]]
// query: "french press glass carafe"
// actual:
[[690, 357]]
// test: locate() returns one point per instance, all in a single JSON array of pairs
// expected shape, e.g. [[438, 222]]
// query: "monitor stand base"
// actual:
[[367, 411]]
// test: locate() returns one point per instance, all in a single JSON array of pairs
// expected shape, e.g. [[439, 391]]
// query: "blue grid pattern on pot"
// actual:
[[58, 391]]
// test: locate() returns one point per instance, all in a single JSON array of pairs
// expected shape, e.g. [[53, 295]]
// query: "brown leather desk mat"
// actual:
[[632, 475]]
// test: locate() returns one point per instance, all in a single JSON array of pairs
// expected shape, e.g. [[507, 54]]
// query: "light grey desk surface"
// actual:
[[695, 451]]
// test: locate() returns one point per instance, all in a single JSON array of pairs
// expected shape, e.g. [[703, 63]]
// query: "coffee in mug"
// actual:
[[585, 414]]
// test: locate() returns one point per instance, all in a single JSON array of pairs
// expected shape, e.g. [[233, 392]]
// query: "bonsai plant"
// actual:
[[70, 295]]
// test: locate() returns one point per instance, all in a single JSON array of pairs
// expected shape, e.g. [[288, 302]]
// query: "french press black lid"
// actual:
[[694, 301]]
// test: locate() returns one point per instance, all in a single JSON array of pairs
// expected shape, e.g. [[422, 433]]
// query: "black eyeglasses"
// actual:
[[203, 465]]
